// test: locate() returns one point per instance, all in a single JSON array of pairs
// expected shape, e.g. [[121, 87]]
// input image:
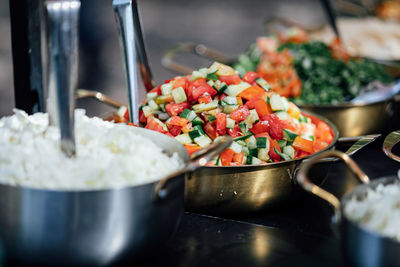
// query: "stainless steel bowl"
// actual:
[[96, 227], [361, 246]]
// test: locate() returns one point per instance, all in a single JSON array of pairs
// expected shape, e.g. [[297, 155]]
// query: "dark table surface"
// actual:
[[298, 234]]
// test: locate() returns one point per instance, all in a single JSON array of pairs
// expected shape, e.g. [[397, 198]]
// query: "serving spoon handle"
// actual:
[[62, 23]]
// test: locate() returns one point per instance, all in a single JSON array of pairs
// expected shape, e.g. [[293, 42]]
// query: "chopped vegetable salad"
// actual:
[[211, 102]]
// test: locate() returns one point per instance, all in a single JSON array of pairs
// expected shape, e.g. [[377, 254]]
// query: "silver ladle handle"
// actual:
[[62, 23], [125, 26]]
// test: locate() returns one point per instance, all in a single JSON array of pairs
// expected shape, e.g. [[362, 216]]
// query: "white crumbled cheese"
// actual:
[[108, 155], [378, 211]]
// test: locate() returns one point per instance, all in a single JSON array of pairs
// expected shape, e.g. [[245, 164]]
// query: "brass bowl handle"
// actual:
[[102, 98], [197, 160], [390, 141], [307, 185], [168, 60]]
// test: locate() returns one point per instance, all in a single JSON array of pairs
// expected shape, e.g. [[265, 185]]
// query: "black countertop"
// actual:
[[298, 234]]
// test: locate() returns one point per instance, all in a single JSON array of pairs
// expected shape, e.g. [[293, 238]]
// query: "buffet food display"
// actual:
[[108, 155]]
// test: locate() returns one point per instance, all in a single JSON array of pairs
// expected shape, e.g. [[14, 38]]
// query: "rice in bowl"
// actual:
[[108, 155]]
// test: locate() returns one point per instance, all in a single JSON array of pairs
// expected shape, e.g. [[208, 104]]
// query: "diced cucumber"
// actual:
[[221, 69], [153, 105], [282, 143], [304, 119], [252, 160], [188, 114], [228, 109], [252, 118], [147, 111], [196, 132], [197, 75], [263, 83], [289, 135], [244, 160], [289, 150], [236, 147], [251, 142], [244, 137], [229, 100], [163, 99], [253, 152], [245, 150], [163, 116], [282, 115], [243, 127], [262, 142], [212, 76], [235, 89], [240, 142], [211, 118], [184, 139], [205, 107], [122, 110], [220, 86], [211, 83], [308, 136], [282, 155], [230, 124], [263, 154], [276, 103], [166, 89], [151, 95], [285, 103], [179, 95], [203, 140]]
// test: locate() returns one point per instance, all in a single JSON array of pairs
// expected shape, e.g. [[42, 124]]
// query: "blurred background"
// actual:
[[227, 25]]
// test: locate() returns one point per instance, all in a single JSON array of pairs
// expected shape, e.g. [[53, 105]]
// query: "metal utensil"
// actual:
[[132, 45], [331, 16], [362, 247], [97, 227], [62, 19], [390, 141]]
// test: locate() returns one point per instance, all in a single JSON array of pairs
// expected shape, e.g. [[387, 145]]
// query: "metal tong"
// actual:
[[132, 45], [62, 24], [331, 16]]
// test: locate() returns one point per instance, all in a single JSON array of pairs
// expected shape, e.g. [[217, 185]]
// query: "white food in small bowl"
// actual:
[[378, 211], [108, 155]]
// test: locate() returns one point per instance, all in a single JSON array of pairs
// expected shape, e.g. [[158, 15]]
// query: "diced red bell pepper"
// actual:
[[180, 82], [303, 144], [178, 121], [192, 148], [227, 156], [274, 145], [174, 129], [260, 127], [210, 130], [250, 77], [319, 145], [192, 85], [235, 132], [221, 123], [230, 79], [201, 90], [252, 93], [275, 126], [238, 158], [142, 117], [152, 124], [240, 114], [156, 89], [323, 132], [206, 98], [176, 109]]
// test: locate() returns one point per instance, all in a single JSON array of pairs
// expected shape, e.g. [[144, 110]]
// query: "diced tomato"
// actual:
[[201, 90], [251, 104], [180, 82], [142, 117], [252, 93], [262, 108], [250, 77], [221, 123], [176, 109], [274, 145], [275, 126], [303, 144], [167, 81], [132, 124], [235, 132], [156, 89], [221, 97], [240, 114], [152, 124], [174, 130], [323, 132], [263, 134], [187, 128], [206, 98], [192, 85], [210, 130], [238, 158], [178, 121], [192, 148], [290, 125], [319, 145], [301, 153], [226, 157], [260, 127], [230, 79]]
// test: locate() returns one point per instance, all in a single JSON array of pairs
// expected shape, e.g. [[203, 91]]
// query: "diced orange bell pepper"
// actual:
[[253, 92], [227, 156], [178, 121], [192, 148], [293, 111], [303, 144], [238, 158], [262, 108]]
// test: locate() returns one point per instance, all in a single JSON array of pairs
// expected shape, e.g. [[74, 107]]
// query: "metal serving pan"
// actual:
[[361, 246], [97, 227], [244, 189], [351, 119]]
